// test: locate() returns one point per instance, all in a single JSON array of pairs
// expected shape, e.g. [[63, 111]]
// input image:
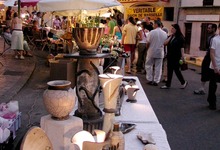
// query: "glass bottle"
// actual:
[[117, 138]]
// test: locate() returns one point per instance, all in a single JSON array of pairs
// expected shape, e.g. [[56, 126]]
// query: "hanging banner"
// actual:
[[140, 12], [132, 1]]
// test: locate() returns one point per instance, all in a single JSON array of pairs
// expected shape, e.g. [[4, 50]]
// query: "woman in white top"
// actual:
[[142, 49], [17, 37]]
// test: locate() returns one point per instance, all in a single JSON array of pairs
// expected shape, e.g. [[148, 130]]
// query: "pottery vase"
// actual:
[[115, 69], [131, 91], [59, 99], [88, 39], [110, 84]]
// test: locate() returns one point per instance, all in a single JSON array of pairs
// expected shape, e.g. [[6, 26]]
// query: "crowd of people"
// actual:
[[29, 23], [160, 54]]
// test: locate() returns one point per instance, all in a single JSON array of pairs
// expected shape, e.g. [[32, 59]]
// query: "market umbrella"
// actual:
[[24, 3], [61, 5], [10, 3]]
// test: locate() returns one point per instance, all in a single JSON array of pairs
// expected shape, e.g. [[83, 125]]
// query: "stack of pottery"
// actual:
[[110, 84]]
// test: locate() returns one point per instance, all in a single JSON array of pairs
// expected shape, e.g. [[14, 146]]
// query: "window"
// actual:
[[168, 13], [207, 2], [188, 33]]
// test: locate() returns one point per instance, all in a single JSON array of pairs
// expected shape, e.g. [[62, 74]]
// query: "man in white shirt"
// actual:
[[38, 18], [215, 70], [155, 53]]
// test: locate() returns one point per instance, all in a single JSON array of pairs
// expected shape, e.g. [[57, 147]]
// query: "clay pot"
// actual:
[[59, 99], [88, 39]]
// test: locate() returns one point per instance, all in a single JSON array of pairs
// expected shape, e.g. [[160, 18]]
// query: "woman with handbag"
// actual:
[[175, 53]]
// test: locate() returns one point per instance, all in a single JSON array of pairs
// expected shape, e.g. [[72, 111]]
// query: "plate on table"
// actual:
[[130, 81], [126, 127]]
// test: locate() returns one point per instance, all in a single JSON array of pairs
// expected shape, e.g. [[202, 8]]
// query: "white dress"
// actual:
[[17, 38]]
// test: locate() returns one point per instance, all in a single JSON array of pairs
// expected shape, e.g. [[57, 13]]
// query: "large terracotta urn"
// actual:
[[59, 99]]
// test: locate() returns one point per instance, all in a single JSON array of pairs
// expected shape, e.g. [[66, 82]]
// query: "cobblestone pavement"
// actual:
[[14, 73]]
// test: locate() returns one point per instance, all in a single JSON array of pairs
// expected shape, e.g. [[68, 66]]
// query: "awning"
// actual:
[[23, 3], [29, 3]]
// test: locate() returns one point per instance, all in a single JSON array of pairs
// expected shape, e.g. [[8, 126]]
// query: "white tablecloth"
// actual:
[[142, 114], [141, 111], [158, 134]]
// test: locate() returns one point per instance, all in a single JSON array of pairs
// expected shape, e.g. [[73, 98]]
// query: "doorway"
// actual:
[[188, 31]]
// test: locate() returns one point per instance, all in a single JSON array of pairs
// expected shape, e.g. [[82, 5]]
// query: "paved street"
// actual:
[[189, 124]]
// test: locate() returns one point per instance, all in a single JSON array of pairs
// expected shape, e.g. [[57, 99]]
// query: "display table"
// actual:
[[141, 111], [142, 114]]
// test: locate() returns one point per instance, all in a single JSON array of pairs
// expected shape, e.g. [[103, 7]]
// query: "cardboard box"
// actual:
[[63, 70]]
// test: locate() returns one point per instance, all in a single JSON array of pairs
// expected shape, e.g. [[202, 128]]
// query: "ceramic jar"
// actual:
[[59, 99]]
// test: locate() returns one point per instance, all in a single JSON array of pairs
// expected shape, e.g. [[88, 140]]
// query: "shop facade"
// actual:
[[194, 17], [166, 10]]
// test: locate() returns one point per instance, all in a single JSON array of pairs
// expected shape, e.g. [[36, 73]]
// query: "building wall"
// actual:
[[159, 3], [194, 12], [197, 3]]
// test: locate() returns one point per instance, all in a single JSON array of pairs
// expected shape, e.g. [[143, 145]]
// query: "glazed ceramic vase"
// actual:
[[88, 39], [115, 69], [110, 84], [59, 99], [131, 91]]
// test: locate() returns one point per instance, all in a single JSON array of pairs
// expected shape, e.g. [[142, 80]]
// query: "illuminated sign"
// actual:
[[141, 12]]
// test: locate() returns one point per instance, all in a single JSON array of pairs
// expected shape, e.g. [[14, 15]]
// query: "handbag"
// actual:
[[184, 66]]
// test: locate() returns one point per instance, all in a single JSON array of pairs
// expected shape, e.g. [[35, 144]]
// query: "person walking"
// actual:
[[215, 70], [155, 54], [205, 70], [17, 37], [117, 32], [8, 16], [8, 36], [175, 53], [149, 24], [129, 34], [112, 23], [143, 33], [164, 68]]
